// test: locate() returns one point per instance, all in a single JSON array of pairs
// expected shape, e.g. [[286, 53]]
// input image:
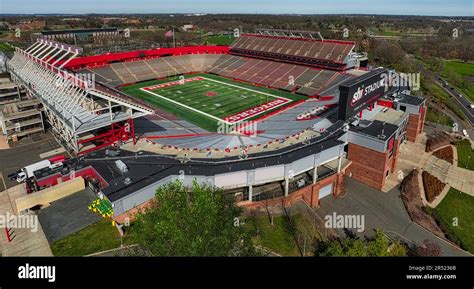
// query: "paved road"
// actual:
[[382, 211], [462, 100]]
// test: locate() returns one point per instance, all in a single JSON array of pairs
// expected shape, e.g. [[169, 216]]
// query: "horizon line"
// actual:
[[230, 13]]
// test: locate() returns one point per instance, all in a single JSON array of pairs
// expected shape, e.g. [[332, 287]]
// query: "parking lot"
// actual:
[[23, 153]]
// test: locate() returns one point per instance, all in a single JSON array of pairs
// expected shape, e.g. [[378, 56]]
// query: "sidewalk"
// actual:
[[458, 178], [24, 241], [413, 155]]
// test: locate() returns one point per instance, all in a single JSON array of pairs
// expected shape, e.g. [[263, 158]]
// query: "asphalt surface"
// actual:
[[23, 153], [383, 211], [68, 215]]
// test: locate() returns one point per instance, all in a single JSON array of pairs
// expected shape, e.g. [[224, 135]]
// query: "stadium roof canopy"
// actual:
[[74, 104]]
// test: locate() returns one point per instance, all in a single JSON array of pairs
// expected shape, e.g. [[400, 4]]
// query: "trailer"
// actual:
[[28, 171]]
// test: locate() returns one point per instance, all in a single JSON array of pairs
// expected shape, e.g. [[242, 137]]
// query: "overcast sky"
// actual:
[[399, 7]]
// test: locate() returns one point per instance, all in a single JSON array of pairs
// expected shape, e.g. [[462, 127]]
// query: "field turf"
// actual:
[[208, 100]]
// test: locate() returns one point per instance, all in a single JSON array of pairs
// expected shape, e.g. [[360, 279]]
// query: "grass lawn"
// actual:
[[208, 100], [5, 33], [98, 237], [461, 206], [437, 116], [465, 155], [465, 70], [278, 237], [220, 39], [4, 47]]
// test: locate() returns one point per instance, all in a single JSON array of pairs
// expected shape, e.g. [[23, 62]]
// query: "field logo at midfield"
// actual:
[[210, 93], [256, 110]]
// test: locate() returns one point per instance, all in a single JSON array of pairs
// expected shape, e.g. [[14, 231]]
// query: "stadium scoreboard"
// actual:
[[358, 93]]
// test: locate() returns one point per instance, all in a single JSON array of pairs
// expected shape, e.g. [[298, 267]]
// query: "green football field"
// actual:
[[208, 100]]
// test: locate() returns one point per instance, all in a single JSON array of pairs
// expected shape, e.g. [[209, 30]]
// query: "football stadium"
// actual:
[[275, 118]]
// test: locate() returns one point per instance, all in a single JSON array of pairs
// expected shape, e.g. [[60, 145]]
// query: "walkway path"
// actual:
[[458, 178], [413, 155]]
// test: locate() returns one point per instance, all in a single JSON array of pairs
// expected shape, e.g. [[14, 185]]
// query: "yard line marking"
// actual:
[[244, 88], [186, 106]]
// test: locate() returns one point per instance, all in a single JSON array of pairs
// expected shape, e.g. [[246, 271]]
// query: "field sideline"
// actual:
[[207, 100]]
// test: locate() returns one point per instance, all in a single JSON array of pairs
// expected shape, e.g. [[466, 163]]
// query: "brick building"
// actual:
[[374, 143]]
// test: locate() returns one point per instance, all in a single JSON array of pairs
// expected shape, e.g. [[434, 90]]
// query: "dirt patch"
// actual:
[[437, 141]]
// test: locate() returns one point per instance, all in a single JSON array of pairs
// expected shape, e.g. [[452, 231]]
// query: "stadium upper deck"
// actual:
[[333, 54]]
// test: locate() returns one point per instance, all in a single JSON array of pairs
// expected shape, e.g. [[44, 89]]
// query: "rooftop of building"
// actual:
[[390, 115], [384, 114], [375, 128], [410, 99], [146, 168]]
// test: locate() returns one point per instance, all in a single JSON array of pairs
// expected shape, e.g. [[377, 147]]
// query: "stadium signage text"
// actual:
[[363, 91], [256, 110], [358, 93]]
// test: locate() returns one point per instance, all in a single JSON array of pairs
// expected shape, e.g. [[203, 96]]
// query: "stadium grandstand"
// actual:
[[313, 52], [76, 107], [281, 74]]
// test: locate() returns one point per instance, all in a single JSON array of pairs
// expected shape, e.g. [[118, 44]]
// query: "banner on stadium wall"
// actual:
[[358, 93]]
